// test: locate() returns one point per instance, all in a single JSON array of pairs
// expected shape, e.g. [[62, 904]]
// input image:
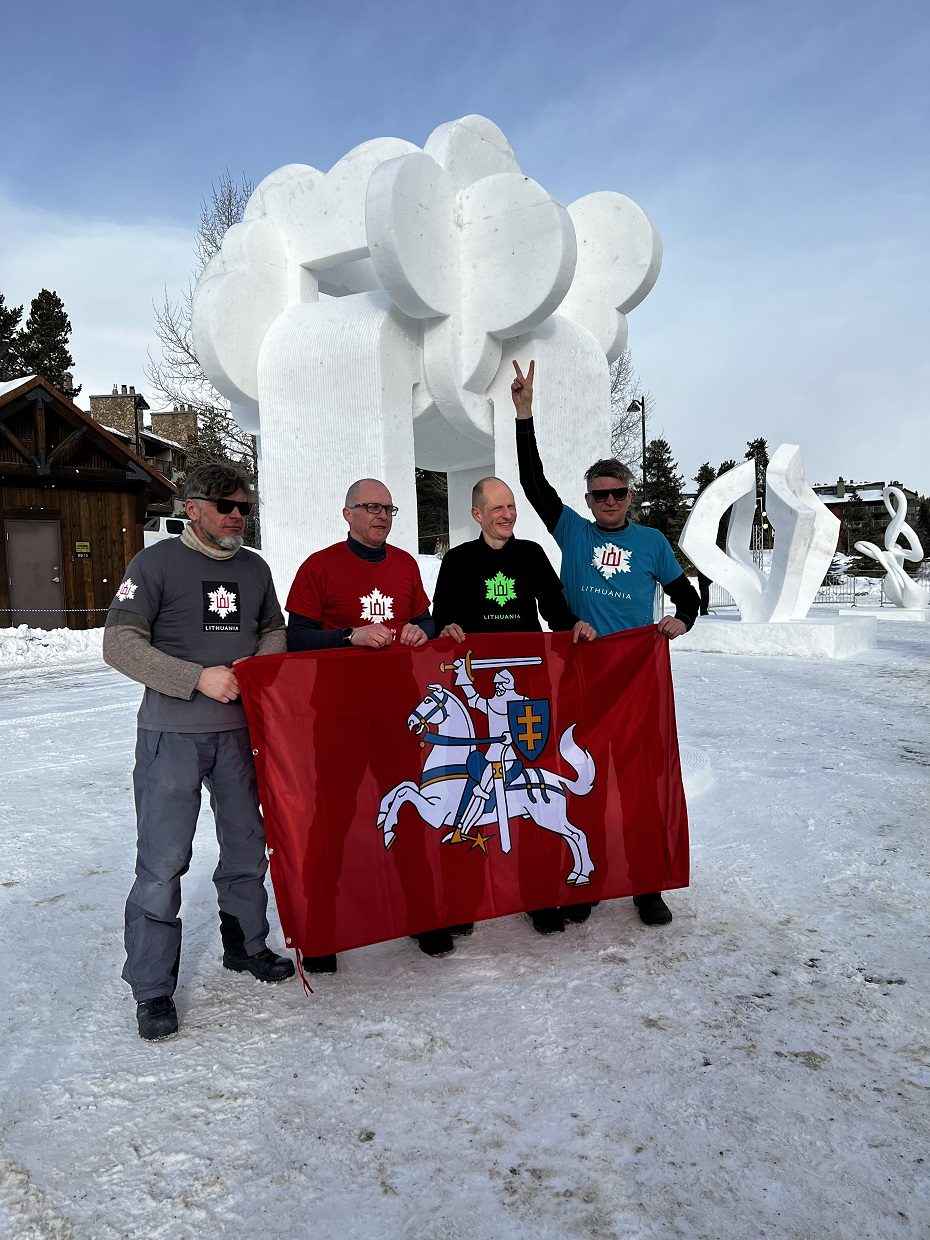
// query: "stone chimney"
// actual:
[[177, 424], [840, 488], [121, 410]]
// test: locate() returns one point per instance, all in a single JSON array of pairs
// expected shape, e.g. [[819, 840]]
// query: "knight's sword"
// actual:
[[470, 663]]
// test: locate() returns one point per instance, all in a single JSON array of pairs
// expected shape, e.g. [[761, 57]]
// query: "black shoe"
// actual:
[[158, 1019], [466, 928], [578, 912], [320, 964], [653, 910], [435, 942], [547, 920], [265, 965]]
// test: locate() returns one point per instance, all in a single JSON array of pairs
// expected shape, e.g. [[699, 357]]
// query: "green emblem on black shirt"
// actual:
[[500, 589]]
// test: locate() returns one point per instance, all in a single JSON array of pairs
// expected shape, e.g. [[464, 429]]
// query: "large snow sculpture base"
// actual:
[[887, 613], [830, 637]]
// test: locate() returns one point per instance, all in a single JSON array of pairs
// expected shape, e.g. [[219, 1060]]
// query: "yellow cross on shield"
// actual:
[[529, 726]]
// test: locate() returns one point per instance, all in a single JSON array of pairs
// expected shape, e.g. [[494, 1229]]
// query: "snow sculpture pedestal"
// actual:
[[887, 613], [827, 637]]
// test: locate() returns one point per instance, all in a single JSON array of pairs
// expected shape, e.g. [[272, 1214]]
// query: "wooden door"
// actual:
[[33, 564]]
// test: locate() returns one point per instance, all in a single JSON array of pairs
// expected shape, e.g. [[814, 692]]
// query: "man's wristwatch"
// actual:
[[347, 636]]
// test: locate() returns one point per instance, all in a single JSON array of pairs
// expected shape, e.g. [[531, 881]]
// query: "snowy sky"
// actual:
[[780, 150]]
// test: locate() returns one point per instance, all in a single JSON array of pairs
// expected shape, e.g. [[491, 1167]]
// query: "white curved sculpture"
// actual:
[[365, 319], [898, 587], [806, 533]]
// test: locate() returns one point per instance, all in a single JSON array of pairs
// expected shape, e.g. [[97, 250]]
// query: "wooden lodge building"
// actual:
[[73, 501]]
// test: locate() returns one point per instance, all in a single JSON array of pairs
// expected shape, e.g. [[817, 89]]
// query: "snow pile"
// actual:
[[26, 645]]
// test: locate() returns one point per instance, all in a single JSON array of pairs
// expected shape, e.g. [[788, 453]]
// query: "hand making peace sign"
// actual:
[[522, 390]]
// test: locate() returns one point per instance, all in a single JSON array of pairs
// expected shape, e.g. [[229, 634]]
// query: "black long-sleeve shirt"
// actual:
[[490, 590]]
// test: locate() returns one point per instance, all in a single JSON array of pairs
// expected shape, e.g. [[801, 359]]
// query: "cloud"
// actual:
[[107, 273]]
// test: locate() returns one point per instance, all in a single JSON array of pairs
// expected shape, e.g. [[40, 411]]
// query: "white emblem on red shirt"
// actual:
[[377, 606], [222, 601], [609, 559], [127, 590]]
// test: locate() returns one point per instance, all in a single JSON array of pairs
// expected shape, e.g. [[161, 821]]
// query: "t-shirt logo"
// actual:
[[500, 589], [377, 606], [608, 559], [220, 607], [127, 590]]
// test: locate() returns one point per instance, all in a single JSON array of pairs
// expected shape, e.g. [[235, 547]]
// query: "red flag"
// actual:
[[400, 797]]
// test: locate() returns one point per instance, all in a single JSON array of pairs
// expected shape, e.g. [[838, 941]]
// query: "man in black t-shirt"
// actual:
[[502, 584]]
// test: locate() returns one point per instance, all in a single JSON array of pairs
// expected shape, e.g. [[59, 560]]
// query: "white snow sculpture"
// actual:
[[805, 538], [898, 587], [364, 320]]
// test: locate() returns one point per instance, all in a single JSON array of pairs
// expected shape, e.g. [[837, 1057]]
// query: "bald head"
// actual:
[[369, 528], [494, 509]]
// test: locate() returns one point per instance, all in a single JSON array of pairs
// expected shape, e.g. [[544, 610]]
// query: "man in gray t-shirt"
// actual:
[[187, 610]]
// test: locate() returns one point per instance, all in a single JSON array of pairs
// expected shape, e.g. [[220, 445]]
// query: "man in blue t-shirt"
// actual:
[[610, 567]]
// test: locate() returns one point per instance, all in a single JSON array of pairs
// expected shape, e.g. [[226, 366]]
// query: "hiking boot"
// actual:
[[466, 928], [320, 964], [578, 913], [547, 920], [158, 1019], [652, 909], [435, 942], [265, 965]]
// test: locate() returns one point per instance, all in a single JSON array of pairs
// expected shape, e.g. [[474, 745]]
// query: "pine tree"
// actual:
[[724, 466], [44, 346], [758, 450], [11, 366], [664, 487], [704, 476]]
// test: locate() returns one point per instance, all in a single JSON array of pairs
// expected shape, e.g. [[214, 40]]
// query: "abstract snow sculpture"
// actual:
[[805, 538], [363, 321], [428, 243], [898, 587]]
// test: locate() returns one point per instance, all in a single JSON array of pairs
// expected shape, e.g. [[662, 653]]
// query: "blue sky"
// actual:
[[781, 150]]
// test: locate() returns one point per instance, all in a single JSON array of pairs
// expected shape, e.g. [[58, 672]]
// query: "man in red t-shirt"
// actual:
[[361, 592]]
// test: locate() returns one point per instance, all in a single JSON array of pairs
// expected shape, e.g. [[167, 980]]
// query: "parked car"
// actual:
[[157, 528]]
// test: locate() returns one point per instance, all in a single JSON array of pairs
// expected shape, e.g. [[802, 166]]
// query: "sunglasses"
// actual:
[[225, 506], [603, 494], [389, 510]]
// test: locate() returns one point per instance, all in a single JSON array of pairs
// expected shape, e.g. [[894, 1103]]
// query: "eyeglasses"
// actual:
[[389, 510], [603, 494], [225, 506]]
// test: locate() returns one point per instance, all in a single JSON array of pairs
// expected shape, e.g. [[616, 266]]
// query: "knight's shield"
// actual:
[[529, 726]]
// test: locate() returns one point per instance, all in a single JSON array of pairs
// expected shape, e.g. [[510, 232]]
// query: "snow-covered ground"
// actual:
[[760, 1068]]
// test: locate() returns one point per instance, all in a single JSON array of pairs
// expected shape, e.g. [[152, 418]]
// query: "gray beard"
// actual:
[[227, 542]]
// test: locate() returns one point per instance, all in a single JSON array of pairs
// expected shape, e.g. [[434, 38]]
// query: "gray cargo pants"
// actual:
[[170, 769]]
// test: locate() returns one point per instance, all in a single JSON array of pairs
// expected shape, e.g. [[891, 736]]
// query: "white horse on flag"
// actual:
[[445, 727]]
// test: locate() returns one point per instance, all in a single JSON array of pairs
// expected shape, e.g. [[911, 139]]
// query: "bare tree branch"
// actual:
[[626, 424], [176, 378]]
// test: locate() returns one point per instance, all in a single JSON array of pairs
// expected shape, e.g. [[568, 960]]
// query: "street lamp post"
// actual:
[[638, 405]]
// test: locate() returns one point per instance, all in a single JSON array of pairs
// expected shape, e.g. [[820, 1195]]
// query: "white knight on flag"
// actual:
[[470, 781]]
